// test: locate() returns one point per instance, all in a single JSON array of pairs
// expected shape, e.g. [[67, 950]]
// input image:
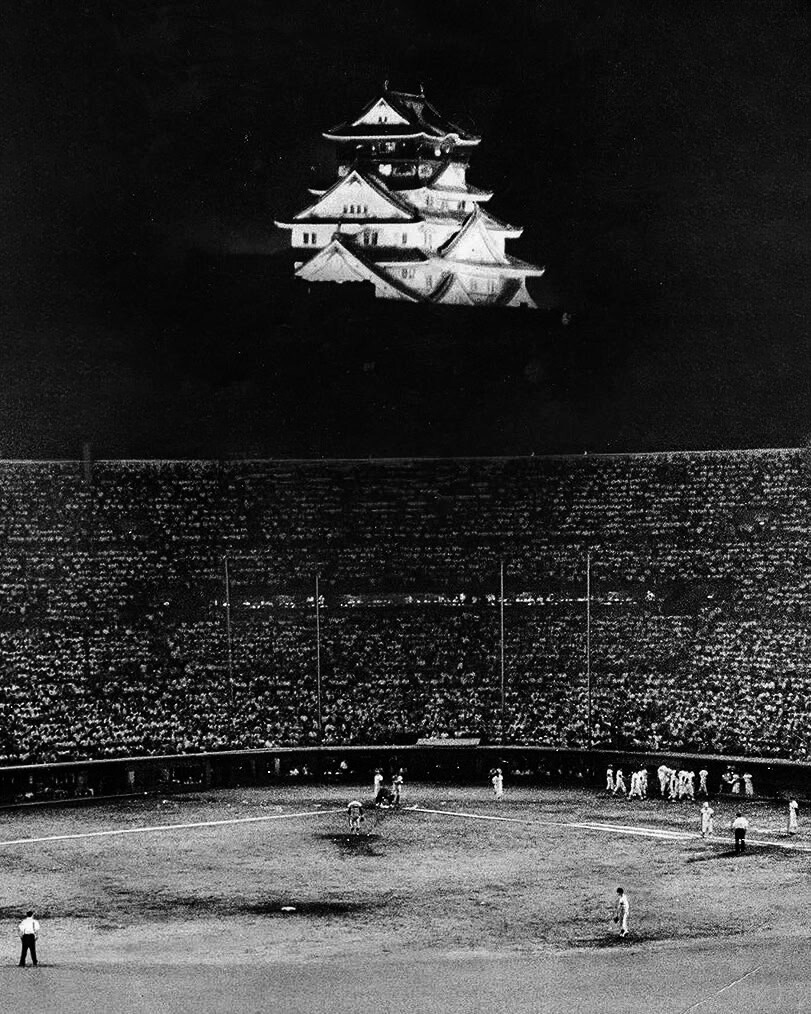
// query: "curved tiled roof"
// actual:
[[422, 120]]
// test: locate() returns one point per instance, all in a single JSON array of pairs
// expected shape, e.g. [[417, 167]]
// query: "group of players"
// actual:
[[385, 797], [673, 784], [681, 784], [676, 784]]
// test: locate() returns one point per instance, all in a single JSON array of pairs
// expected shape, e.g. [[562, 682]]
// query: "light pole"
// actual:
[[503, 685], [318, 658], [230, 648], [588, 647]]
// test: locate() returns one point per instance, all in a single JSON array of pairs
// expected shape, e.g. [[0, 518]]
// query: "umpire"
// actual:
[[29, 931], [740, 825]]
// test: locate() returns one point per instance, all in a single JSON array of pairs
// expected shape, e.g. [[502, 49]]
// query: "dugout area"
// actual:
[[429, 911]]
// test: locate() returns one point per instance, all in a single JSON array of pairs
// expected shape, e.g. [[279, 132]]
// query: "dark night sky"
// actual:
[[656, 154]]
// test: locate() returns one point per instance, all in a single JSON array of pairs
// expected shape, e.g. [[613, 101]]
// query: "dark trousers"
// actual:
[[740, 839], [29, 944]]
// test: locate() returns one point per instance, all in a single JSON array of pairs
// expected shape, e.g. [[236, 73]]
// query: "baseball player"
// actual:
[[621, 916], [706, 819], [792, 816], [354, 811]]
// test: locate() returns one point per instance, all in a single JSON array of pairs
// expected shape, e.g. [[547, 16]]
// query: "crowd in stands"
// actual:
[[113, 633]]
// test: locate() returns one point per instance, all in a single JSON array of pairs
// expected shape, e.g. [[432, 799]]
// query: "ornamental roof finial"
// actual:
[[422, 89], [386, 85]]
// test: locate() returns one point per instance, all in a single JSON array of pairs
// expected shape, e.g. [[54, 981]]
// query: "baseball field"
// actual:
[[259, 899]]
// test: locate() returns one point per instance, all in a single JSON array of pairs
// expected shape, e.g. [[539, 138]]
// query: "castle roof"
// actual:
[[472, 242], [323, 209], [400, 115], [339, 262]]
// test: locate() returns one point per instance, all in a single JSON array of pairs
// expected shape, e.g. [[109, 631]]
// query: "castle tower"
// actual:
[[403, 216]]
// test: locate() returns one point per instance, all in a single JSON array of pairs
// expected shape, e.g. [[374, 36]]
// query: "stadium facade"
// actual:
[[402, 216], [113, 612]]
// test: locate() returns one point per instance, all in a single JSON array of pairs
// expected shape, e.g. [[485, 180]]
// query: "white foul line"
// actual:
[[642, 832], [723, 989], [166, 827]]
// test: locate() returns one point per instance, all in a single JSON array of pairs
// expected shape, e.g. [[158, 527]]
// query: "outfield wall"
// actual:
[[113, 622], [126, 777]]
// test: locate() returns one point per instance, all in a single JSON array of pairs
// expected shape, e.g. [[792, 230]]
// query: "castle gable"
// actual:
[[380, 112], [357, 197], [337, 263], [473, 244]]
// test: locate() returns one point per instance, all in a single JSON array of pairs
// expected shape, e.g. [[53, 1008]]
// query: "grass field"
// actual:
[[429, 911]]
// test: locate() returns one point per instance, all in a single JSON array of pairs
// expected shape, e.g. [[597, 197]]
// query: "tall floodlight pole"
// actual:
[[588, 647], [318, 657], [503, 693], [227, 579]]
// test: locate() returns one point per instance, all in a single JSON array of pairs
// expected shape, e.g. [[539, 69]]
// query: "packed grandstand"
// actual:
[[114, 641]]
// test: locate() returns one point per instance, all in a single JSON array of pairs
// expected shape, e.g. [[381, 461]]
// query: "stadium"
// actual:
[[205, 661]]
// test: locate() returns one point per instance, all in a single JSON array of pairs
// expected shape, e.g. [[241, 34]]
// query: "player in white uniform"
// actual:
[[703, 788], [690, 784], [609, 779], [622, 912], [354, 811], [663, 772], [498, 784], [378, 782], [792, 816], [397, 786], [748, 784], [706, 819], [619, 783]]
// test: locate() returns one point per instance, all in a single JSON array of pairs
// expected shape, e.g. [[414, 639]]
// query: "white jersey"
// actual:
[[29, 927]]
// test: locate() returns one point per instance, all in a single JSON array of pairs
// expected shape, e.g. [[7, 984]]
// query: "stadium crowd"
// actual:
[[113, 632]]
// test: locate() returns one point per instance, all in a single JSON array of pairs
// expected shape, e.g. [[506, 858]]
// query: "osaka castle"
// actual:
[[402, 215]]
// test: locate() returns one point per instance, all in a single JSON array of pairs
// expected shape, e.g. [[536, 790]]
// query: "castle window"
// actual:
[[461, 205], [404, 238], [370, 238], [305, 237]]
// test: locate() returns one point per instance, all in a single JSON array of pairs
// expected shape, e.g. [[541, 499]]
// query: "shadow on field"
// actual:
[[768, 851], [278, 906], [610, 941], [353, 844], [707, 857], [309, 908]]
